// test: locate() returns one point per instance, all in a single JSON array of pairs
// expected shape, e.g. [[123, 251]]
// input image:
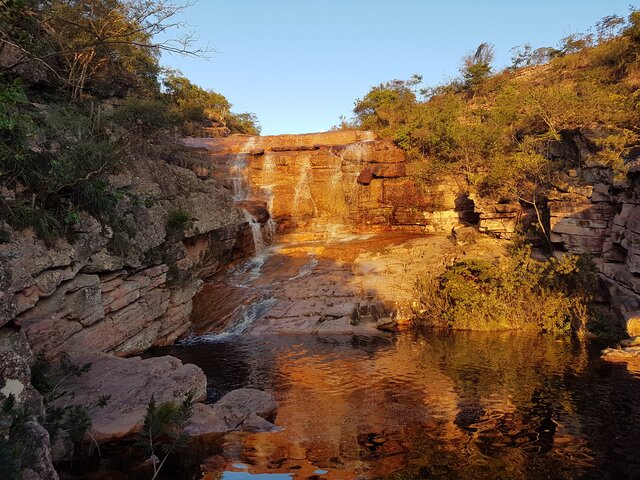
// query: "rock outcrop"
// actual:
[[127, 385], [244, 409], [34, 458], [592, 211], [80, 296]]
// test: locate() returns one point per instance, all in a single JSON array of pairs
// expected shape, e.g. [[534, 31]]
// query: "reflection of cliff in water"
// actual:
[[435, 405]]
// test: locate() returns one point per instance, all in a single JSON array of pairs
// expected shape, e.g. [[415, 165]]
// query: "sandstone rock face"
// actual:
[[80, 297], [335, 181], [129, 384], [15, 380], [590, 215]]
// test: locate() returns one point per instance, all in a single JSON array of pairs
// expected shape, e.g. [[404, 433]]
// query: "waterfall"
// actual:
[[237, 175], [268, 170], [302, 190], [256, 231], [239, 188], [270, 231]]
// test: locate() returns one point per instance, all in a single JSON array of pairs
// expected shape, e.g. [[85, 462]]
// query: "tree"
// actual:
[[476, 67], [387, 104], [99, 41], [163, 430], [608, 27]]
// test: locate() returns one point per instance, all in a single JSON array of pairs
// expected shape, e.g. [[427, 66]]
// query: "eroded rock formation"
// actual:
[[329, 182], [79, 296]]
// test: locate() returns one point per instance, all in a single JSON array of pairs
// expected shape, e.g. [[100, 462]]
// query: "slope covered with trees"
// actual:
[[498, 130], [557, 120], [82, 92]]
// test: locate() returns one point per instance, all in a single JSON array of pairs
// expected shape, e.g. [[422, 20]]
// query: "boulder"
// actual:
[[245, 409], [15, 378], [128, 384]]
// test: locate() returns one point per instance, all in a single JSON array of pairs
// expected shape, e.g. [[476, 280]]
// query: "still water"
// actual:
[[426, 405]]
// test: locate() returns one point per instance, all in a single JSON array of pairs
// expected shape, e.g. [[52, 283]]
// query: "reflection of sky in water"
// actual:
[[247, 475]]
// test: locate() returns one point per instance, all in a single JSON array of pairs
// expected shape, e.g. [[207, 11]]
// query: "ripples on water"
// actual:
[[427, 405]]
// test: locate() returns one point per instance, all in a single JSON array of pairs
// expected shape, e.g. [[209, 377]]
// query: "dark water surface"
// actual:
[[427, 405]]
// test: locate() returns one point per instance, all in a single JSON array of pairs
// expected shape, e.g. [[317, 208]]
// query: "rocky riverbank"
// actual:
[[83, 298]]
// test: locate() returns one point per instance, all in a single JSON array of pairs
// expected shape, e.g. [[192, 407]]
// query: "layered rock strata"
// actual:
[[329, 182], [79, 296]]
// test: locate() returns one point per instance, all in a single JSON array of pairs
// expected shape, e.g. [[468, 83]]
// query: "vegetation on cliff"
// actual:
[[499, 130], [513, 136], [81, 94]]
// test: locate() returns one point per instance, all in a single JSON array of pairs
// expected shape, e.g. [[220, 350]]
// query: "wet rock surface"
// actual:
[[348, 180]]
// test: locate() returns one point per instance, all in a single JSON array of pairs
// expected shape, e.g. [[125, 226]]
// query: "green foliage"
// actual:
[[163, 430], [246, 123], [477, 67], [177, 221], [58, 152], [193, 105], [142, 113], [45, 225], [514, 293], [497, 131], [47, 378]]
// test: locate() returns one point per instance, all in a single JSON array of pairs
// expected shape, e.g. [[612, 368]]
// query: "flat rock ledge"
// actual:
[[128, 384], [628, 350]]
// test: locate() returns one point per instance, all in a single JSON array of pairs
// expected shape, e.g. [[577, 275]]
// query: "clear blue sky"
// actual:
[[300, 64]]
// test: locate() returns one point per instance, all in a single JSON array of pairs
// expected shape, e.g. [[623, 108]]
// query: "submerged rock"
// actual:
[[245, 409], [628, 349]]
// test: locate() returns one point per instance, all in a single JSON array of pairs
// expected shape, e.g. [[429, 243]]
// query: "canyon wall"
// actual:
[[595, 210], [324, 183], [78, 296]]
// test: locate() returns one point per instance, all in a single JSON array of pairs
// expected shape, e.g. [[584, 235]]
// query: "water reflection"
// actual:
[[428, 405]]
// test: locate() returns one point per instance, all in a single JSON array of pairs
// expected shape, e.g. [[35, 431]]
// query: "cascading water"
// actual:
[[256, 231], [301, 190]]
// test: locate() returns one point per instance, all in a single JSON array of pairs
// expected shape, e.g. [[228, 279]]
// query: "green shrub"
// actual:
[[14, 438], [143, 113], [177, 221], [514, 293], [46, 226], [47, 378], [163, 430]]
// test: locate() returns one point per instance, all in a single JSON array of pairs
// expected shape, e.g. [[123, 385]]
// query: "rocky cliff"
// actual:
[[80, 296], [319, 184], [595, 210]]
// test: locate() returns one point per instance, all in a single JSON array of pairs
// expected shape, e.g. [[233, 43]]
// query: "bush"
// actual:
[[47, 377], [514, 293], [46, 226], [144, 112], [163, 430], [178, 221]]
